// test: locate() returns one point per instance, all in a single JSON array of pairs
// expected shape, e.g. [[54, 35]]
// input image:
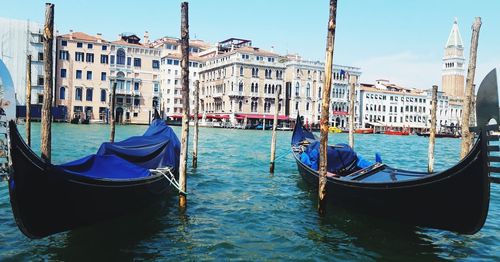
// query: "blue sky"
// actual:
[[401, 41]]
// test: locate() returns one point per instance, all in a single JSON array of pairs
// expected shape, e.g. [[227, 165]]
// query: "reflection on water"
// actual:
[[237, 210]]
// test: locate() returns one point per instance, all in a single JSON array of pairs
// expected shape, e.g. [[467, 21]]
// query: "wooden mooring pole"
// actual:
[[48, 36], [432, 135], [275, 125], [352, 100], [196, 93], [112, 114], [28, 99], [469, 86], [185, 101], [325, 107]]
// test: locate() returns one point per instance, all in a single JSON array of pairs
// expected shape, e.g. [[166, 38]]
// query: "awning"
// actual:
[[341, 113], [260, 116], [216, 116]]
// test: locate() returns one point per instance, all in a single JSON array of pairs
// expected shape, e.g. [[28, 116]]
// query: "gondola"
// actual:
[[438, 135], [121, 178], [456, 199]]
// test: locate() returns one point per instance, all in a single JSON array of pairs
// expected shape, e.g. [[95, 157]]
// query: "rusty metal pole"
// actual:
[[112, 115], [275, 124], [28, 100], [196, 93], [48, 35], [432, 135], [185, 101], [471, 72], [352, 99], [325, 107]]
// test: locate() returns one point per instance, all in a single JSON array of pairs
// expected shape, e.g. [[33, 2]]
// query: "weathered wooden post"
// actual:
[[112, 115], [185, 101], [469, 92], [352, 99], [28, 99], [196, 93], [432, 135], [325, 107], [275, 124], [48, 36]]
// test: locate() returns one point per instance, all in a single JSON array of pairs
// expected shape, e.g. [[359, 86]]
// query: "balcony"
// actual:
[[235, 93]]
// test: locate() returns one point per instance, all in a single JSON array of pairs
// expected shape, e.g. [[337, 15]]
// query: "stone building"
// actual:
[[453, 71]]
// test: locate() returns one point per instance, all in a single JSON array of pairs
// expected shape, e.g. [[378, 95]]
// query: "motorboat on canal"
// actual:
[[121, 178], [456, 199]]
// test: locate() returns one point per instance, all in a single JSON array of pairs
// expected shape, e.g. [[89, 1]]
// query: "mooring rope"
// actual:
[[170, 178]]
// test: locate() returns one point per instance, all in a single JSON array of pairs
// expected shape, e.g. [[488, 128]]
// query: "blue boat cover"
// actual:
[[340, 157], [132, 157]]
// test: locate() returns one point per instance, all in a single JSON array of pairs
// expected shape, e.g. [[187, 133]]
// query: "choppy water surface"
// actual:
[[237, 210]]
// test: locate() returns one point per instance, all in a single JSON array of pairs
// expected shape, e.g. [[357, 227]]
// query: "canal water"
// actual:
[[238, 211]]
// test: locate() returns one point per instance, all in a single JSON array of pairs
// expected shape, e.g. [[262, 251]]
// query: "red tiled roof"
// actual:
[[81, 36]]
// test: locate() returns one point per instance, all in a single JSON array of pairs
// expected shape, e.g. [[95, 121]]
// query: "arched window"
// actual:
[[103, 95], [256, 87], [241, 87], [120, 56], [253, 72], [241, 70], [319, 92], [297, 88], [307, 107], [297, 106], [88, 94], [62, 93], [78, 94], [252, 88], [271, 89], [308, 90], [240, 106]]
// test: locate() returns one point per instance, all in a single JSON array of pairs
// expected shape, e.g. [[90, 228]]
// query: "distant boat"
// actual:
[[439, 135], [334, 129], [456, 199], [397, 133], [364, 131], [121, 178]]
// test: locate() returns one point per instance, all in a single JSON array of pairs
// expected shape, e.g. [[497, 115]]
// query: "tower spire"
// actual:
[[454, 39]]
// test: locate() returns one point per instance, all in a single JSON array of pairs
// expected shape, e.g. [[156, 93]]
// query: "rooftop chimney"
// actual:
[[146, 37], [99, 37], [71, 34]]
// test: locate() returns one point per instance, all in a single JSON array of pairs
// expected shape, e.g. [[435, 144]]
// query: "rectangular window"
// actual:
[[136, 86], [79, 45], [90, 46], [40, 80], [112, 59], [63, 73], [89, 75], [63, 55], [169, 61], [176, 62], [78, 93], [40, 56], [79, 56], [137, 62], [104, 59], [103, 76], [88, 95], [104, 47], [156, 64], [78, 74], [129, 60], [64, 43], [90, 58]]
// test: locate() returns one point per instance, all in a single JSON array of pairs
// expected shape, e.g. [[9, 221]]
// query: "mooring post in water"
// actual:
[[112, 115], [48, 37], [352, 99], [196, 93], [325, 107], [432, 134], [469, 86], [185, 101], [28, 99], [275, 125]]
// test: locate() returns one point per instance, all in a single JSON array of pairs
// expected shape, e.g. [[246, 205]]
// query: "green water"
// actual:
[[238, 211]]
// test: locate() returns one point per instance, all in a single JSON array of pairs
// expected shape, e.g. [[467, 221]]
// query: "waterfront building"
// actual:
[[239, 81], [135, 67], [304, 83], [19, 38], [82, 76], [453, 69], [384, 105], [170, 68]]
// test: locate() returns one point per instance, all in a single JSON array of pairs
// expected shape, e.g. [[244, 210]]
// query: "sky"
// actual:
[[402, 41]]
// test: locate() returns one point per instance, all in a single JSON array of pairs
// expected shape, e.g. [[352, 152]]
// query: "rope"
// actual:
[[170, 178]]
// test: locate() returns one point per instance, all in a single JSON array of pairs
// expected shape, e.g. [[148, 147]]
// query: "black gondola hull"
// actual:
[[45, 200], [456, 199]]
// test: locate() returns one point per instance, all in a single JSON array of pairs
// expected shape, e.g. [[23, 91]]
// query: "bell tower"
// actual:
[[453, 71]]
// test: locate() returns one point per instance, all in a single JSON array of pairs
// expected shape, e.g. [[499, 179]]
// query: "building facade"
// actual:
[[453, 70], [239, 81], [82, 76], [304, 81], [18, 39]]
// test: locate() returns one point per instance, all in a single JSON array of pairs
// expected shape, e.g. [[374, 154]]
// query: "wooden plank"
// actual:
[[493, 148], [494, 158], [495, 180], [495, 169]]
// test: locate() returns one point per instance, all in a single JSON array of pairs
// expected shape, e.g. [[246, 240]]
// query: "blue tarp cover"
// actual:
[[340, 157], [131, 158]]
